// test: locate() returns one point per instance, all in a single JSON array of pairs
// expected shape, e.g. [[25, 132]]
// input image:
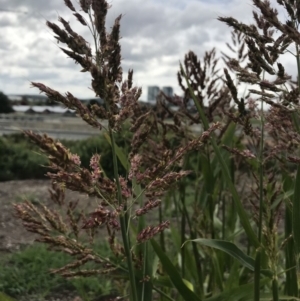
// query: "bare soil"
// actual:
[[12, 233], [13, 236]]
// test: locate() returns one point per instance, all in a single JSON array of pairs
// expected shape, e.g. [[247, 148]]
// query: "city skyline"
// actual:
[[151, 95]]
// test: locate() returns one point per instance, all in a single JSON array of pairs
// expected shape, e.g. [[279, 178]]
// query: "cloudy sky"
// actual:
[[155, 36]]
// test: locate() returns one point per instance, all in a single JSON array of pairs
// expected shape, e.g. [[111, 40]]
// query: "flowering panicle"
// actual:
[[95, 166], [166, 181], [74, 41], [149, 205], [151, 231], [134, 166], [128, 100], [244, 153], [85, 5], [69, 4], [102, 216], [70, 102], [83, 181], [204, 81], [57, 194], [126, 191], [59, 155]]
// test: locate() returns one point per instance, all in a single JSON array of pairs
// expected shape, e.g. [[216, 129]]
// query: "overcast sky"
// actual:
[[155, 36]]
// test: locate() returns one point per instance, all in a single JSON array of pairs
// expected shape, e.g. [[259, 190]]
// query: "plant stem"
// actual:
[[123, 219], [257, 275], [261, 204], [275, 289], [261, 179], [296, 203]]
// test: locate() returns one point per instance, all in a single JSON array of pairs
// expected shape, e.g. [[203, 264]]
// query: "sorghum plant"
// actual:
[[121, 201], [266, 139], [225, 166]]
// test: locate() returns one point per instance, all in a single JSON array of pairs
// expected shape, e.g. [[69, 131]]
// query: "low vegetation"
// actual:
[[189, 216], [26, 274], [21, 159]]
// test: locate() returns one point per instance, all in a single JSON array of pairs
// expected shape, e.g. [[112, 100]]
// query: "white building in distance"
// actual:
[[168, 91], [153, 92]]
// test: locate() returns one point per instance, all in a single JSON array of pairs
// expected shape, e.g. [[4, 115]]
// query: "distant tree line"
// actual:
[[5, 105]]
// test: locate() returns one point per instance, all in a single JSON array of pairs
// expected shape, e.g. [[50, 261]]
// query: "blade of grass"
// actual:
[[231, 249], [296, 213], [172, 272], [243, 292], [119, 152], [291, 284]]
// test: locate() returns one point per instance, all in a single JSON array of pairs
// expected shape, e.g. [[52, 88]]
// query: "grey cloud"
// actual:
[[172, 29], [31, 6]]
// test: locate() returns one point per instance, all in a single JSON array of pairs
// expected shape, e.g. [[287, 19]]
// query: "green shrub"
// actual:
[[21, 159]]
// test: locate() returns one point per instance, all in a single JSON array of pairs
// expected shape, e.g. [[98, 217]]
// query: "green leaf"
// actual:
[[243, 292], [268, 297], [172, 272], [291, 283], [296, 213], [120, 154], [231, 249], [146, 287], [209, 180]]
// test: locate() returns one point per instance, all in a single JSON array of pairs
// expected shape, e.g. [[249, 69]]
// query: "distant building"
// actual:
[[168, 91], [28, 99], [42, 110], [153, 92]]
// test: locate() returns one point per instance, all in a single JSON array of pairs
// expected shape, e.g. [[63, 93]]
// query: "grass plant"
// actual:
[[236, 236]]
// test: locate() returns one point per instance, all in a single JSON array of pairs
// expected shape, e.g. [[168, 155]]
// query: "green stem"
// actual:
[[162, 235], [296, 124], [183, 222], [296, 203], [261, 204], [257, 275], [261, 179], [298, 64], [196, 254], [275, 288], [123, 219]]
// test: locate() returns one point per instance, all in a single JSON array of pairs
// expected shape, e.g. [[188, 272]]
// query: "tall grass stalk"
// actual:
[[123, 221], [261, 204]]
